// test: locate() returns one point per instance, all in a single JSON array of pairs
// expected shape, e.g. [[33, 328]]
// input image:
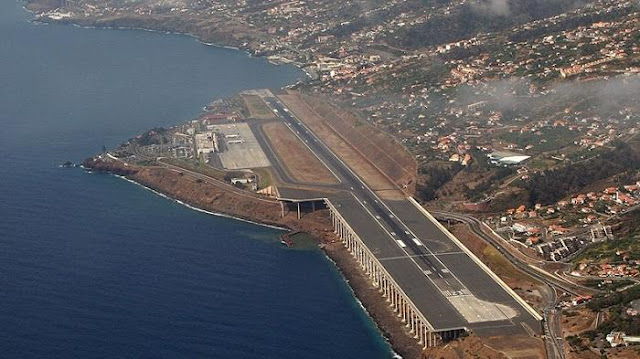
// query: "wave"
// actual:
[[395, 355]]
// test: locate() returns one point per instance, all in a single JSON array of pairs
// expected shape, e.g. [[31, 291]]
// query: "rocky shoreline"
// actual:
[[218, 198]]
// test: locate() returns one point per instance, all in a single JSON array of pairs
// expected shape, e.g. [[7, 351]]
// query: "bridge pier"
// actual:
[[407, 312]]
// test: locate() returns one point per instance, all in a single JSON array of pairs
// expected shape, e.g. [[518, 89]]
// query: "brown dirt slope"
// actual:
[[511, 347], [379, 147], [215, 196], [301, 164], [371, 174]]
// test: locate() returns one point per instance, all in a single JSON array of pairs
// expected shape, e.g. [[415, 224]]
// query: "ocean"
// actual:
[[92, 266]]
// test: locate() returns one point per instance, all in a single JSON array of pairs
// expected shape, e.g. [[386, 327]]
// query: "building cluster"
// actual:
[[559, 230], [443, 111], [595, 48], [619, 338], [623, 265]]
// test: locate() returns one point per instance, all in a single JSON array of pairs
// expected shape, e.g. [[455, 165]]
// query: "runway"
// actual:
[[446, 284]]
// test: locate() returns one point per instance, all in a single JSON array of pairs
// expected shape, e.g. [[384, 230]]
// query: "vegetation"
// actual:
[[606, 251], [436, 176], [151, 137], [611, 286], [471, 19], [477, 192], [257, 107], [623, 298], [549, 186]]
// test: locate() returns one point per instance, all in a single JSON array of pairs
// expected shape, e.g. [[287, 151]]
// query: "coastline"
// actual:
[[215, 214], [317, 224], [195, 37], [40, 17]]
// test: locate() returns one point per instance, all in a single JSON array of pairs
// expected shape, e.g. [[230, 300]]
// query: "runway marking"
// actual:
[[415, 256]]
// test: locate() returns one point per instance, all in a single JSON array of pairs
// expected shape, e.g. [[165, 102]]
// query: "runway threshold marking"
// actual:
[[416, 256]]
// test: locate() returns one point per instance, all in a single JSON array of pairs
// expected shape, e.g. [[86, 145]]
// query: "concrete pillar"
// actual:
[[425, 337], [404, 311], [299, 211], [392, 296], [385, 287]]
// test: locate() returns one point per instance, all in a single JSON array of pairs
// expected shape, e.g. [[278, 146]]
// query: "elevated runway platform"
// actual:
[[435, 284], [443, 281]]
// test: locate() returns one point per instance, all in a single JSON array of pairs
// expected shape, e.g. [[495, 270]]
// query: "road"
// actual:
[[476, 227], [200, 176], [552, 316]]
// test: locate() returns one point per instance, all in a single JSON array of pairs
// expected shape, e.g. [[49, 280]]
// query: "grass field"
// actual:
[[265, 178], [258, 109], [300, 163], [192, 166]]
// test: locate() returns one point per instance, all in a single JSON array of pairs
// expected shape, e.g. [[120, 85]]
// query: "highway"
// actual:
[[476, 227], [552, 316]]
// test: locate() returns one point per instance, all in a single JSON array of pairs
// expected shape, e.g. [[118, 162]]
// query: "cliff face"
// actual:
[[216, 197]]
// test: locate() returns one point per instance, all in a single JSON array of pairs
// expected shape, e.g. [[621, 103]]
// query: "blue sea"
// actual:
[[92, 266]]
